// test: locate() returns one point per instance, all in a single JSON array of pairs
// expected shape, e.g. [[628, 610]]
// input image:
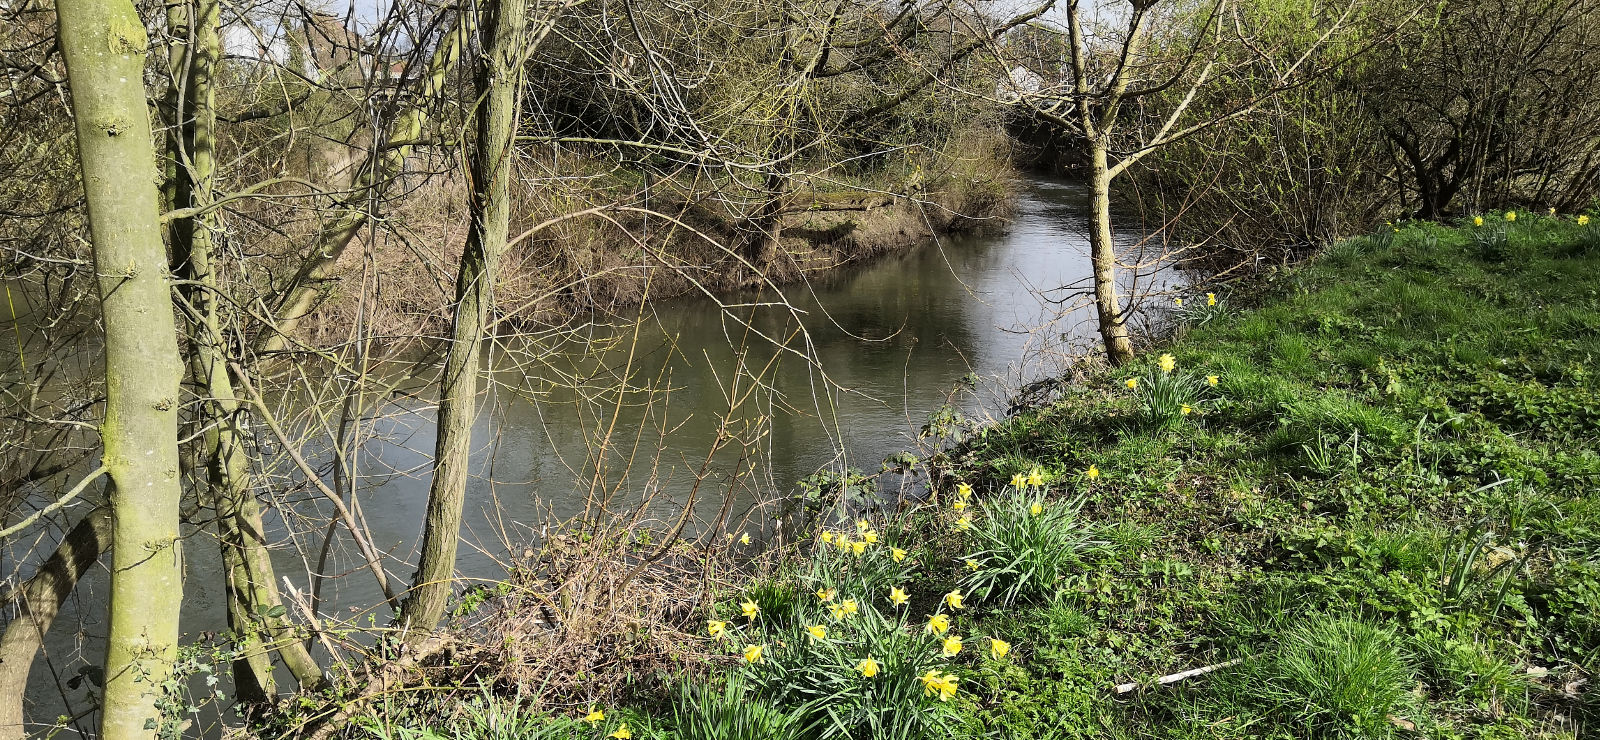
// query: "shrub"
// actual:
[[1024, 551]]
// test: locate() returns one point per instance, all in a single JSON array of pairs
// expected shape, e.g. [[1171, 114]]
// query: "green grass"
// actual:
[[1386, 510]]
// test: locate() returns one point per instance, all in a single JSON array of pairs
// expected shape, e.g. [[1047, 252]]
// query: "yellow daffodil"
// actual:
[[965, 491], [950, 647], [752, 653], [826, 594], [858, 547], [849, 606], [1552, 211], [937, 684], [963, 524], [958, 505], [868, 668], [750, 609], [817, 632], [954, 600], [870, 537], [717, 628], [1131, 383], [1511, 215], [1036, 477], [897, 554], [1036, 509], [827, 537], [862, 525], [621, 733], [998, 648], [898, 596], [1211, 380], [939, 623], [1168, 363], [744, 539], [1092, 473], [972, 564], [1019, 480], [1178, 301], [1211, 299], [595, 714], [1583, 220], [1185, 410], [1477, 220], [843, 543]]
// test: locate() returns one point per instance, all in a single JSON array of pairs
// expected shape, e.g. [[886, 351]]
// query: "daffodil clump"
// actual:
[[845, 647], [1168, 396]]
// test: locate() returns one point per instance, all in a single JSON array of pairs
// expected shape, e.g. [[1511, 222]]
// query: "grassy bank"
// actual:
[[1363, 491]]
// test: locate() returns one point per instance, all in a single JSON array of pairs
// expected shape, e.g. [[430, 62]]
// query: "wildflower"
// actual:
[[1583, 220], [1036, 509], [1019, 480], [826, 594], [868, 668], [897, 554], [595, 714], [849, 606], [958, 505], [998, 648], [954, 600], [1477, 221], [1211, 380], [951, 646], [1552, 211], [817, 632], [862, 526], [898, 596], [870, 537], [1036, 477], [750, 609], [1511, 215], [939, 623], [935, 683], [717, 628], [963, 524], [1211, 299], [842, 542], [972, 564], [621, 733], [858, 547], [1093, 472], [1131, 383], [1168, 363], [1178, 301], [965, 491], [1185, 410], [744, 539], [827, 537], [752, 653]]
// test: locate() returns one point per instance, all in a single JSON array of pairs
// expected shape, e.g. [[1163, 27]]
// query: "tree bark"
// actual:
[[253, 599], [1103, 255], [502, 23], [104, 45], [38, 600]]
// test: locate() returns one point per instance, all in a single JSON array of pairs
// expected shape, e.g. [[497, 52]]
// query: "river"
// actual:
[[862, 358]]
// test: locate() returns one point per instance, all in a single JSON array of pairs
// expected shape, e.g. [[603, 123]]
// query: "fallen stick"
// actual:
[[1173, 678]]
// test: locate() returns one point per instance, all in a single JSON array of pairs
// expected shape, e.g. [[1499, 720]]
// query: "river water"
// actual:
[[849, 371]]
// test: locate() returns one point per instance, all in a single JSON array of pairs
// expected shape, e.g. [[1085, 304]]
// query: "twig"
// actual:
[[1173, 678]]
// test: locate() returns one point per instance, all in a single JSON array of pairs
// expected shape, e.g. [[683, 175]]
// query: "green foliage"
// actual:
[[1167, 399], [1331, 677], [1024, 552], [703, 712]]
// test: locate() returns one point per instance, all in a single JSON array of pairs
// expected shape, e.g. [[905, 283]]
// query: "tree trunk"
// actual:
[[1103, 254], [497, 77], [104, 45], [37, 602], [253, 599]]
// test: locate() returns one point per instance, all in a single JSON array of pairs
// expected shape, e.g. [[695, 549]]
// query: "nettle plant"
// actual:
[[1168, 397], [849, 658]]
